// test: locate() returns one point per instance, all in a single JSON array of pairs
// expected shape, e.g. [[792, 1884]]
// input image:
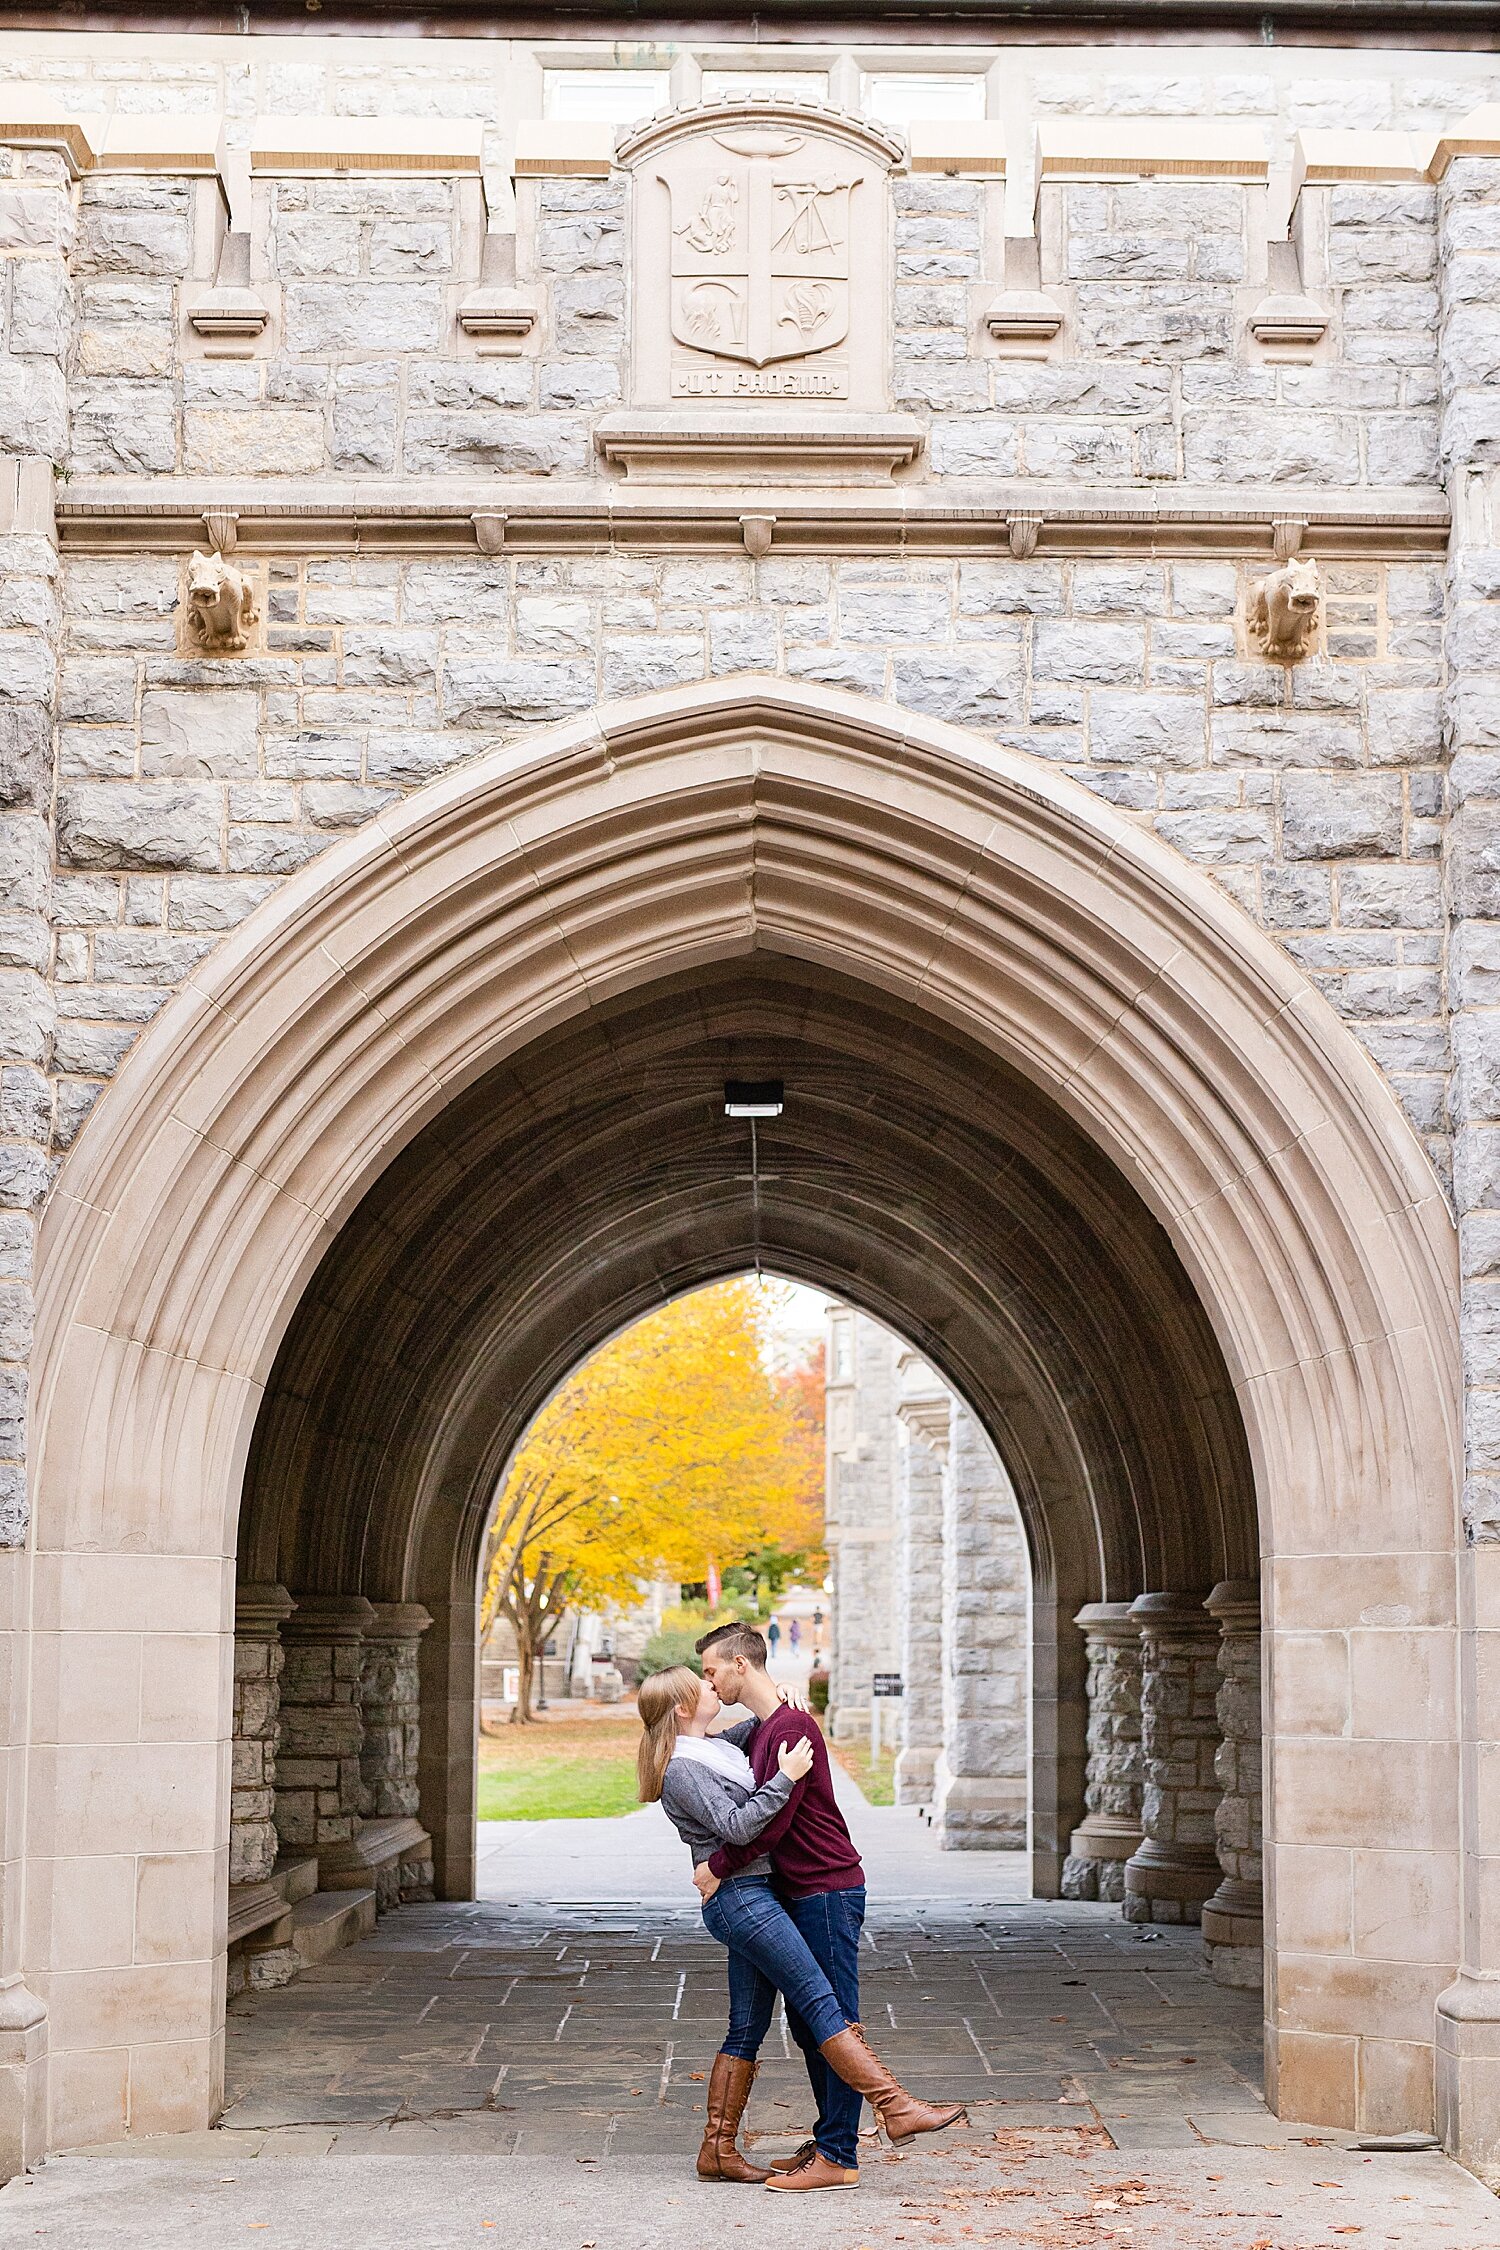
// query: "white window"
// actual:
[[785, 85], [610, 97], [898, 99]]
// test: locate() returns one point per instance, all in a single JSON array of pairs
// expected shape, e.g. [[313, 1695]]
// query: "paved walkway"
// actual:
[[531, 2066]]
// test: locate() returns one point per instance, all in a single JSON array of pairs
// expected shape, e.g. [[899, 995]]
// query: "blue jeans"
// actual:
[[830, 1923], [767, 1956], [808, 1950]]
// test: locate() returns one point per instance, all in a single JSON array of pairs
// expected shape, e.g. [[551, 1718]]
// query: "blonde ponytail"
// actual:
[[658, 1700]]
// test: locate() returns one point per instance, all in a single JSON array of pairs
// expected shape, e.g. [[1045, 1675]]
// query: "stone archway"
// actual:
[[975, 892]]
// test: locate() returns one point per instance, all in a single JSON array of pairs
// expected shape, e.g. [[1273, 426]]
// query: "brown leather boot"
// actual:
[[729, 2085], [901, 2115], [813, 2171]]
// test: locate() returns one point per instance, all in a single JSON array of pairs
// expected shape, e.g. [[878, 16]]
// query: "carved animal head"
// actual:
[[209, 581], [1299, 584]]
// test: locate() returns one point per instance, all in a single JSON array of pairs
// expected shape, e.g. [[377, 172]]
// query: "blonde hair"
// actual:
[[658, 1700]]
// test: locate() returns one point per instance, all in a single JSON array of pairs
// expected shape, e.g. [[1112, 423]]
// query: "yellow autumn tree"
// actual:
[[676, 1447]]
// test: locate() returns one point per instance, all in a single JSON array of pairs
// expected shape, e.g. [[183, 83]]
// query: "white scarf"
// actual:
[[707, 1750]]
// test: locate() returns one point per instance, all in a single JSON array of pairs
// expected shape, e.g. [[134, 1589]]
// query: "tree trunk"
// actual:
[[523, 1715]]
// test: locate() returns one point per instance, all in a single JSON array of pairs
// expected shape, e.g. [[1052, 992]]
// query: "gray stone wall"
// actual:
[[183, 790], [1156, 279], [1470, 348], [188, 787], [318, 1779], [36, 328]]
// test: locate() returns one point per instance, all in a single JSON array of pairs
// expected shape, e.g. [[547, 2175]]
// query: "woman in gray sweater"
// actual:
[[707, 1790]]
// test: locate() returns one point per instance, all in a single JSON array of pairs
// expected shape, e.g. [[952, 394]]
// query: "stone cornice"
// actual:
[[1411, 24], [165, 515]]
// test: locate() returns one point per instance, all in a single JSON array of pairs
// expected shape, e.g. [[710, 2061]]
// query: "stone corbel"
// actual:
[[757, 532], [1023, 317], [1287, 322], [230, 317], [1287, 535], [1023, 530], [496, 314], [489, 533], [223, 528]]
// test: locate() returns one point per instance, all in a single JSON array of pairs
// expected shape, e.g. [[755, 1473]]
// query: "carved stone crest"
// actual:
[[760, 235]]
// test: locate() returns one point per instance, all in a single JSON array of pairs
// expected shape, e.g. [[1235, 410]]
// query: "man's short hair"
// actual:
[[734, 1641]]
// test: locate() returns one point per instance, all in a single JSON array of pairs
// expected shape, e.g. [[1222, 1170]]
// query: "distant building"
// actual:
[[930, 1583]]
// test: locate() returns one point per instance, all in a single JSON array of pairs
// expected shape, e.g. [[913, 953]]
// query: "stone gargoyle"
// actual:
[[1284, 610], [220, 605]]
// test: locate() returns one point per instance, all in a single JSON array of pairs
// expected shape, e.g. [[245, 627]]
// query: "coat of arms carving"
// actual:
[[760, 252]]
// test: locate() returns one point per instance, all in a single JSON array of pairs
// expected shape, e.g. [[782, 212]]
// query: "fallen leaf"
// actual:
[[1316, 2183]]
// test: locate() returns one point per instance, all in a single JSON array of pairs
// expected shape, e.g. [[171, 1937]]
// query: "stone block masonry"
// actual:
[[189, 788], [318, 1778]]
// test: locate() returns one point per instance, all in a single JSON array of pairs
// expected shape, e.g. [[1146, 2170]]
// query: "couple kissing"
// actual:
[[784, 1893]]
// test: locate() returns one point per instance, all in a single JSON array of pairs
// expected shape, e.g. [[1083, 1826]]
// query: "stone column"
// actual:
[[1233, 1925], [981, 1789], [1468, 2011], [1177, 1865], [390, 1700], [259, 1614], [1111, 1828], [318, 1781], [923, 1408]]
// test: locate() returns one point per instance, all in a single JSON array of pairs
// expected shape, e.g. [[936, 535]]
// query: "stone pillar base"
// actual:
[[1097, 1852], [916, 1776], [23, 2079], [1234, 1935], [1168, 1883], [1468, 2075], [972, 1813]]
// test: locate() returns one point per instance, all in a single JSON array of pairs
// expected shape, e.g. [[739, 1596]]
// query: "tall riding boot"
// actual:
[[901, 2115], [729, 2086]]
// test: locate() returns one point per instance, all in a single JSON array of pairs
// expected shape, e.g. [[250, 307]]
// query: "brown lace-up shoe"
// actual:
[[798, 2156], [729, 2086], [812, 2172]]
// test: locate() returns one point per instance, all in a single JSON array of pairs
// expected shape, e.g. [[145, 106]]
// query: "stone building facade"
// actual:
[[992, 621]]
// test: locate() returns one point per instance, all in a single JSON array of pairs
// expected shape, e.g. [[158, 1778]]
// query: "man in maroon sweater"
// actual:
[[819, 1878]]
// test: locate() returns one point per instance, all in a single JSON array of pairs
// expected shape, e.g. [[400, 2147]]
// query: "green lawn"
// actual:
[[876, 1776], [559, 1769]]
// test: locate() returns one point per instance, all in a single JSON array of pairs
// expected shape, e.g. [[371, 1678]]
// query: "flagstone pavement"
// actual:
[[530, 2067]]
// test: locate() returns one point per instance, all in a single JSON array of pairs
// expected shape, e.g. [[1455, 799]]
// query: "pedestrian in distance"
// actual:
[[773, 1635]]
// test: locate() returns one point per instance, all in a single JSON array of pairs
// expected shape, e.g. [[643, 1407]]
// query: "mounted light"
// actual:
[[753, 1097]]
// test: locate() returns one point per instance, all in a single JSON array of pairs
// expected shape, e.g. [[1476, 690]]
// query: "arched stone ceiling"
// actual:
[[594, 1175]]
